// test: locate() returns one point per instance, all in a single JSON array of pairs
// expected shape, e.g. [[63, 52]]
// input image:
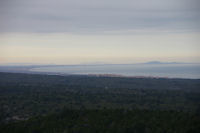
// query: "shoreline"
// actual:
[[30, 70], [95, 75]]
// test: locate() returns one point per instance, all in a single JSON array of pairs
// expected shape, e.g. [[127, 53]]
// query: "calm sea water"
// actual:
[[149, 70]]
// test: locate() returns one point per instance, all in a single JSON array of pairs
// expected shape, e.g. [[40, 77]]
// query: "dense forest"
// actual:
[[38, 103]]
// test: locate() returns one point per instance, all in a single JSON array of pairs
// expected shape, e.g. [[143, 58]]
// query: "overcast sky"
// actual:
[[112, 31]]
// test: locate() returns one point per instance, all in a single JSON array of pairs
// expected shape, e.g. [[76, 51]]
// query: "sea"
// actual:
[[188, 71]]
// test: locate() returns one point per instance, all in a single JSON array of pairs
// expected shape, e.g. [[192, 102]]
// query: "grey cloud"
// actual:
[[98, 16]]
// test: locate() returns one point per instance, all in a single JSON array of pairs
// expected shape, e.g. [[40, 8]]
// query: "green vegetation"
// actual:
[[109, 121], [49, 103]]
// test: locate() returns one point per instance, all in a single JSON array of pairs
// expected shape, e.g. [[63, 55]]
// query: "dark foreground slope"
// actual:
[[97, 104], [109, 121]]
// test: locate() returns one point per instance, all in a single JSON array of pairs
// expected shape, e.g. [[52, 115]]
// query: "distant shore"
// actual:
[[84, 70]]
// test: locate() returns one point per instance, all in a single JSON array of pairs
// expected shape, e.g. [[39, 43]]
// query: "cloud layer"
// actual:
[[82, 16]]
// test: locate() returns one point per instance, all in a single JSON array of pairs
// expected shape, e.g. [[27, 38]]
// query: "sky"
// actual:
[[99, 31]]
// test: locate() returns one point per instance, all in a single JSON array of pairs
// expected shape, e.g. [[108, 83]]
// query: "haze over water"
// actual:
[[148, 70]]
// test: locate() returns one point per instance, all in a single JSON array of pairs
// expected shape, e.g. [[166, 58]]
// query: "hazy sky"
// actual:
[[111, 31]]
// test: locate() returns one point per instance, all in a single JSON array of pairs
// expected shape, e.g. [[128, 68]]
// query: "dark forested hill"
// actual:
[[108, 121], [27, 99]]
